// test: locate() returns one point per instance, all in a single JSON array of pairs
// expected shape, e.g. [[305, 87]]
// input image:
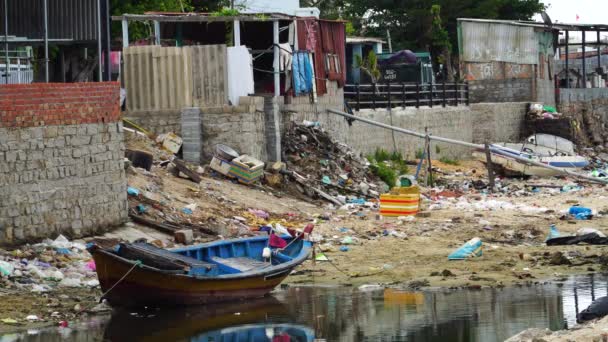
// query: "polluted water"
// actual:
[[366, 313]]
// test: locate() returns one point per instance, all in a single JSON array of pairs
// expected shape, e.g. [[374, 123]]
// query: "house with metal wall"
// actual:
[[508, 61], [54, 41]]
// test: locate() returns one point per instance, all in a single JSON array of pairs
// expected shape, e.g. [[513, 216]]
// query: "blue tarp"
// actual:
[[302, 73]]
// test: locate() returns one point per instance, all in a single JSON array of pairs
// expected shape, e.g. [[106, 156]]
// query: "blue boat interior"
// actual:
[[258, 333], [216, 258]]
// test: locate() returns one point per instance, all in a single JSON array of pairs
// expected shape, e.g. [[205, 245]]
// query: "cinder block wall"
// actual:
[[61, 160]]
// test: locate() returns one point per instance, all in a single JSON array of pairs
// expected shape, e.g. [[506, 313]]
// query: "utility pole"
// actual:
[[231, 4]]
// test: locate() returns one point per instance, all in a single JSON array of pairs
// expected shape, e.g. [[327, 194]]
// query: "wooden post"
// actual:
[[403, 95], [456, 93], [490, 167]]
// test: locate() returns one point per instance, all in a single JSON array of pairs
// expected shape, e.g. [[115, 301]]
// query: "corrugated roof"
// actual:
[[67, 19]]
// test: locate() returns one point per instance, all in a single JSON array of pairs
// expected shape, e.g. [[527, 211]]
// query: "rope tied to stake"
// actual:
[[137, 263]]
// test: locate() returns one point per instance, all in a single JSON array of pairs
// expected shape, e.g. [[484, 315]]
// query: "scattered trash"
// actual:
[[187, 211], [6, 269], [343, 249], [9, 321], [321, 257], [259, 213], [553, 233], [32, 318], [141, 208], [580, 213], [132, 191], [470, 249]]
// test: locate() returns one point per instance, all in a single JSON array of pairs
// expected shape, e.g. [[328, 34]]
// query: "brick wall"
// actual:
[[41, 104], [61, 160]]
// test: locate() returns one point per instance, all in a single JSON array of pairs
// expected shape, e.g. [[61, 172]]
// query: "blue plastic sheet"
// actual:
[[302, 73]]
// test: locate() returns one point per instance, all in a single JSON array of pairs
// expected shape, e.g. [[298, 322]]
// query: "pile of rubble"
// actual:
[[324, 168]]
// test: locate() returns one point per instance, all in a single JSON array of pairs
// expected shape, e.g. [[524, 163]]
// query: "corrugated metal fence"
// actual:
[[493, 42], [171, 78]]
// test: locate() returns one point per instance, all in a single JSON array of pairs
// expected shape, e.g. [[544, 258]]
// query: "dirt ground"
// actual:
[[512, 226]]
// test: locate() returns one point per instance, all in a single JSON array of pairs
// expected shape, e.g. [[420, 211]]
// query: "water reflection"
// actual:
[[347, 314]]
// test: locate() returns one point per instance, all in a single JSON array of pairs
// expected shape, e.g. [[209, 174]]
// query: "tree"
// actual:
[[410, 22], [440, 46]]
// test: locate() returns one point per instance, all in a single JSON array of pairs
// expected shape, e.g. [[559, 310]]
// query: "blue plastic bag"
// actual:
[[580, 213], [132, 191]]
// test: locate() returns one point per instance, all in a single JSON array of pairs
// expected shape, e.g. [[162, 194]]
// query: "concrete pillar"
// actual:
[[357, 51], [273, 128], [192, 134], [125, 33], [237, 33]]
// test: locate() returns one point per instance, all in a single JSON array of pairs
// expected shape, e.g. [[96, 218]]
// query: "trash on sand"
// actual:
[[591, 239], [343, 249], [132, 191], [326, 180], [141, 208], [597, 309], [259, 213], [470, 249], [553, 233], [32, 318], [170, 141], [6, 269], [187, 211], [10, 321], [370, 287], [580, 213], [347, 240], [321, 257], [585, 231]]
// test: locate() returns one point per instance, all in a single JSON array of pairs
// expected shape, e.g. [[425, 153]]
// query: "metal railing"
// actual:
[[390, 95], [20, 69]]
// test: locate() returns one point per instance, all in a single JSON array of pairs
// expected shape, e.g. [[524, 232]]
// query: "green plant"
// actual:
[[381, 155], [437, 149], [419, 153], [449, 161], [386, 173], [369, 65], [226, 12]]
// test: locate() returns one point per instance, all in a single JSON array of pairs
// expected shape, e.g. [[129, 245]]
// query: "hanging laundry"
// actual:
[[240, 73], [302, 73], [285, 61]]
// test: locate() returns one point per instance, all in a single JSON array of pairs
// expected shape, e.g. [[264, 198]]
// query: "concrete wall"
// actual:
[[157, 122], [509, 90], [61, 160], [477, 123], [241, 127], [589, 107]]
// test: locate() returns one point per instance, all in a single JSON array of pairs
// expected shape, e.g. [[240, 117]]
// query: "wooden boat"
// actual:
[[141, 274], [195, 322]]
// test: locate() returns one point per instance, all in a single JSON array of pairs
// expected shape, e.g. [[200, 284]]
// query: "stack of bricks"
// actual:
[[61, 160], [192, 135]]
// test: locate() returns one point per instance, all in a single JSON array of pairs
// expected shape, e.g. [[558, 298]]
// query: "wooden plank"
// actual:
[[183, 168]]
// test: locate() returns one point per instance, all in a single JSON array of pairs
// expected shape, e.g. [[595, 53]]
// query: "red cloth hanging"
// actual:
[[333, 42], [309, 39]]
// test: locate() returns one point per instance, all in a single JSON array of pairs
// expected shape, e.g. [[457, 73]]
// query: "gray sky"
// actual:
[[589, 11]]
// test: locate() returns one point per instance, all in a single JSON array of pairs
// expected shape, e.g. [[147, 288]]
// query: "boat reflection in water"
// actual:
[[252, 321]]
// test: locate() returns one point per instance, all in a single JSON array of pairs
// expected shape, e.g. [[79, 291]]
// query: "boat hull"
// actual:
[[572, 164], [145, 286]]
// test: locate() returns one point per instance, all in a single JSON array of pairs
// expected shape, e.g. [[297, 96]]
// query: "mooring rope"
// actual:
[[137, 263]]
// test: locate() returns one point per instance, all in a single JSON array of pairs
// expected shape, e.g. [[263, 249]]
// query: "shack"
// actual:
[[77, 36], [207, 61], [508, 61]]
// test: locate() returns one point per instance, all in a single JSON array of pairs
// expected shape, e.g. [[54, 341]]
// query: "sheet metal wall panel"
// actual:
[[493, 42], [68, 19], [209, 75]]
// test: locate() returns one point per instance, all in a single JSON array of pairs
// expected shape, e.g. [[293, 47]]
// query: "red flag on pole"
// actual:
[[577, 17]]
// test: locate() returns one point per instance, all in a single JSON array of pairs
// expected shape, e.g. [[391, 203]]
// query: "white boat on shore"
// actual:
[[543, 148]]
